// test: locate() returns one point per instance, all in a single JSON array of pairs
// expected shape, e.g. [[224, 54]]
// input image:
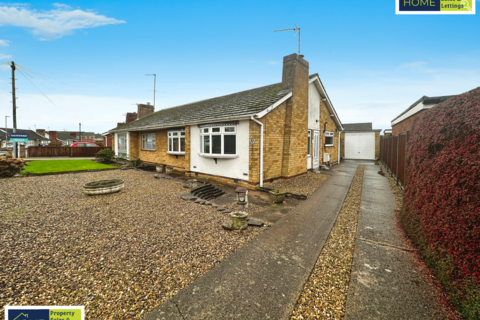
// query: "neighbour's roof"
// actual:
[[65, 135], [32, 135], [244, 103], [98, 136], [365, 126], [427, 101]]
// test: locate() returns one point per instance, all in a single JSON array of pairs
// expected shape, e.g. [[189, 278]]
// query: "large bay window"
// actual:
[[329, 138], [176, 142], [218, 141], [148, 141]]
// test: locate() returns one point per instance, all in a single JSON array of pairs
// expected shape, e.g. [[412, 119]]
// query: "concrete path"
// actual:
[[386, 283], [264, 278]]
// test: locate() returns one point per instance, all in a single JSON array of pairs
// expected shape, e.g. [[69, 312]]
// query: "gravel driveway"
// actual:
[[119, 255]]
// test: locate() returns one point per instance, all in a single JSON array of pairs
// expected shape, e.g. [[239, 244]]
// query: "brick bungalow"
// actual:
[[250, 137], [403, 122]]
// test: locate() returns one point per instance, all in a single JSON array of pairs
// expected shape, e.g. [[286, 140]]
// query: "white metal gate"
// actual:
[[316, 148]]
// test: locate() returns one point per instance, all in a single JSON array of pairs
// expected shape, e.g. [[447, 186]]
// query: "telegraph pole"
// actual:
[[14, 101]]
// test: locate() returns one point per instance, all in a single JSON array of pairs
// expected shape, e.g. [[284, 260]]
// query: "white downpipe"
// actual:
[[339, 145], [261, 149]]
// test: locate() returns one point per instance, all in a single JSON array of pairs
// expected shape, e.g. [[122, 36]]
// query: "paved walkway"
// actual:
[[264, 278], [386, 282]]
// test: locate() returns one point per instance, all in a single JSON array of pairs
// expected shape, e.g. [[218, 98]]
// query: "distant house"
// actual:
[[360, 141], [250, 137], [34, 139], [403, 122], [387, 132], [69, 137]]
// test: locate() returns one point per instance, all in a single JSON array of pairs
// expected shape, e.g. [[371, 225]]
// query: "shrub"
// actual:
[[105, 155], [442, 199], [100, 144], [10, 166], [55, 144]]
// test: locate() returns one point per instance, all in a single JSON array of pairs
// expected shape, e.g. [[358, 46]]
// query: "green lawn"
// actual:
[[48, 166]]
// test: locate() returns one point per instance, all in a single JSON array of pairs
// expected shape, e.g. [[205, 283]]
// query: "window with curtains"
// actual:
[[176, 142], [148, 141]]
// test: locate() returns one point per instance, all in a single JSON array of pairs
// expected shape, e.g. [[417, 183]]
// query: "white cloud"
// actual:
[[4, 43], [4, 56], [55, 23]]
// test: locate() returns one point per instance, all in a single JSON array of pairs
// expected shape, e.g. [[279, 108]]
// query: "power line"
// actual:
[[36, 87]]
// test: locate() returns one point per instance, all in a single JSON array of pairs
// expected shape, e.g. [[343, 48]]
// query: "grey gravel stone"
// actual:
[[255, 223]]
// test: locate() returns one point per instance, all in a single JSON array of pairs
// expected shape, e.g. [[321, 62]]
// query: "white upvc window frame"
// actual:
[[145, 141], [116, 141], [176, 134], [309, 143], [217, 131], [329, 134]]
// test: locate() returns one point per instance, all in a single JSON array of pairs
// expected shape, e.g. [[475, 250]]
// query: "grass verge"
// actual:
[[52, 166]]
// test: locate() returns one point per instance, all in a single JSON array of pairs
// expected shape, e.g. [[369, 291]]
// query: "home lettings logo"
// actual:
[[435, 6]]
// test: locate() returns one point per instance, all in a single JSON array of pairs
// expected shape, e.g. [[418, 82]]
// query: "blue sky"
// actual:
[[90, 58]]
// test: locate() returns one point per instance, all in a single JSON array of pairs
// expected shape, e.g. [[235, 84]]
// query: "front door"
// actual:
[[316, 148]]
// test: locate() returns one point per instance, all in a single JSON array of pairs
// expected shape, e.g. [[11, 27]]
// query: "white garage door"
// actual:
[[360, 145]]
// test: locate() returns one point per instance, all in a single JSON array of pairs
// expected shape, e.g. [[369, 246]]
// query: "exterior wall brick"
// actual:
[[274, 128], [405, 125], [227, 181], [133, 145], [325, 116], [160, 155]]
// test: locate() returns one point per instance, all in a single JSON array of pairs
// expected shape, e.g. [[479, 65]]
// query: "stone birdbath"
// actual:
[[239, 221], [103, 186], [277, 196]]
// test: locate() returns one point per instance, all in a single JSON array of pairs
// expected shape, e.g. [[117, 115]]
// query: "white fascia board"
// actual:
[[273, 106], [242, 117], [322, 90]]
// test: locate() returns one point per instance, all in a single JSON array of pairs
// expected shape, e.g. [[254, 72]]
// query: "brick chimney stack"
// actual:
[[52, 135], [145, 109], [41, 132], [131, 116], [295, 76]]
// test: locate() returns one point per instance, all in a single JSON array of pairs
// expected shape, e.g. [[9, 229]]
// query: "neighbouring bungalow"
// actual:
[[34, 139], [403, 122], [250, 137]]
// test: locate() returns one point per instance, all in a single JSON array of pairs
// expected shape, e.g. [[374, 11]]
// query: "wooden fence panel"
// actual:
[[48, 152], [394, 166], [63, 151]]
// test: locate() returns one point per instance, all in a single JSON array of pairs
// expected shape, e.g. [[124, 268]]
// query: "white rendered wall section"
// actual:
[[313, 107], [236, 168]]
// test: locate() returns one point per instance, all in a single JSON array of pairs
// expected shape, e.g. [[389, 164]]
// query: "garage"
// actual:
[[360, 141]]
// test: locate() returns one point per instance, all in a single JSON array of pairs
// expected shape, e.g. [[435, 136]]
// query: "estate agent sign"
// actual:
[[18, 137], [435, 6]]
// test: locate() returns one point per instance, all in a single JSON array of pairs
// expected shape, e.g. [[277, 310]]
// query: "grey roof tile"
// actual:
[[365, 126], [238, 104]]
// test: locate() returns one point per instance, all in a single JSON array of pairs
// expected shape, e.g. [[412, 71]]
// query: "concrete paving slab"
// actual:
[[264, 278], [385, 282]]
